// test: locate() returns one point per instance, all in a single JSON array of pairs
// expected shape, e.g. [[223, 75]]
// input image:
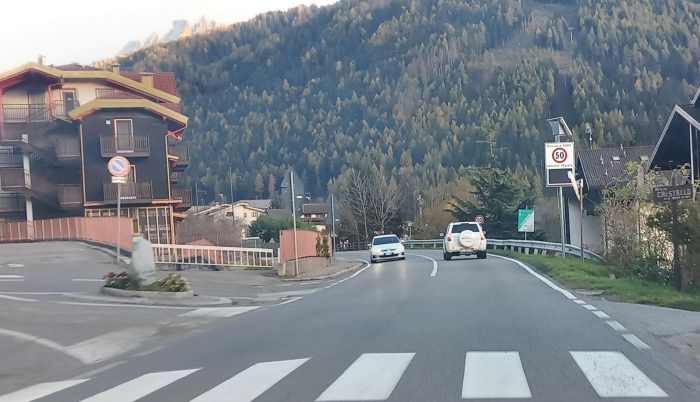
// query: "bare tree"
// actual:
[[383, 200]]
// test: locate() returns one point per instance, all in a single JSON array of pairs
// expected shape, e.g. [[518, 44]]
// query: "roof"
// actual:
[[279, 213], [179, 119], [259, 204], [605, 166], [314, 208], [76, 71], [672, 148]]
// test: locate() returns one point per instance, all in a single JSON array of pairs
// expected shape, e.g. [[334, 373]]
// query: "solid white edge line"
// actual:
[[87, 280], [542, 278], [433, 274], [11, 276], [634, 340], [20, 299], [43, 342], [367, 265]]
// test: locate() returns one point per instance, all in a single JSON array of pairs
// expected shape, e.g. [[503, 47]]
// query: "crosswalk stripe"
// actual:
[[218, 312], [612, 375], [140, 386], [251, 382], [39, 390], [494, 375], [372, 377]]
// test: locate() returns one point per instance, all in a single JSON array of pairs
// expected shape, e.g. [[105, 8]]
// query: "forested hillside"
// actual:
[[423, 87]]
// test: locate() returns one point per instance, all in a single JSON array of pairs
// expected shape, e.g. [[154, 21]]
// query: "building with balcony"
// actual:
[[59, 125]]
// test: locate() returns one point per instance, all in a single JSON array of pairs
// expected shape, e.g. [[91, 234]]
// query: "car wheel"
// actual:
[[447, 256]]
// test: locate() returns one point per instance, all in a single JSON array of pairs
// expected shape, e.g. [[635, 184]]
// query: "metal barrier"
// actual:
[[522, 246], [177, 254]]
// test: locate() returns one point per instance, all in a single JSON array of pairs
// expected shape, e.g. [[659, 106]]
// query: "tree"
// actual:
[[259, 185], [497, 195], [268, 228]]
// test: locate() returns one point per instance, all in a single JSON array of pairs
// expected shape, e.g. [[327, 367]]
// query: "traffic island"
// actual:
[[173, 286]]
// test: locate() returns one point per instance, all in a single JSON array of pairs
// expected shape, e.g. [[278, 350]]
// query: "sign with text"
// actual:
[[560, 160], [526, 220], [673, 193]]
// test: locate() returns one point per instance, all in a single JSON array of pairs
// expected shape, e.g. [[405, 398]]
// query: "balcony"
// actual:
[[67, 149], [37, 113], [11, 202], [112, 93], [131, 193], [175, 177], [180, 155], [19, 180], [70, 195], [10, 159], [184, 196], [135, 146]]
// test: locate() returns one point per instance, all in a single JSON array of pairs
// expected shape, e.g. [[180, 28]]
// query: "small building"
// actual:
[[315, 214], [600, 169], [245, 212]]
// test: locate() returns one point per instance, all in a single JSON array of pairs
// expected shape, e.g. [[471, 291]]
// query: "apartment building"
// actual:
[[61, 124]]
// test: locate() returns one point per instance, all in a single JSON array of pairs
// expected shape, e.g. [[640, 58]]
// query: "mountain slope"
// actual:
[[423, 87]]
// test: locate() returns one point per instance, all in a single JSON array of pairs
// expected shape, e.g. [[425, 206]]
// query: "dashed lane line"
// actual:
[[11, 276], [634, 340], [616, 326]]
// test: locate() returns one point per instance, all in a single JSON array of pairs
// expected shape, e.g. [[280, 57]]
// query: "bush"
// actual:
[[122, 280]]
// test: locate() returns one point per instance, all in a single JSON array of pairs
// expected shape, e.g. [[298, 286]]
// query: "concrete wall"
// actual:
[[308, 265], [306, 244], [592, 228]]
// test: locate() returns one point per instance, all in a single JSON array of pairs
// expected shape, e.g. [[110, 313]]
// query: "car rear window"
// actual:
[[461, 227], [385, 240]]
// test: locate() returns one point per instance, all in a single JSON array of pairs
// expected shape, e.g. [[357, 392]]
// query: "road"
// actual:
[[414, 330]]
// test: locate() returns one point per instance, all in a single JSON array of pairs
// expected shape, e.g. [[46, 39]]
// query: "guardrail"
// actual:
[[185, 254], [521, 246]]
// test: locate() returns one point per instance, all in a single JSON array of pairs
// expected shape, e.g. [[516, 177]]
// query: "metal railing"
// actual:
[[67, 148], [69, 195], [184, 195], [131, 145], [522, 246], [12, 202], [60, 109], [182, 152], [176, 254], [15, 179], [10, 159], [175, 177], [26, 113], [130, 192]]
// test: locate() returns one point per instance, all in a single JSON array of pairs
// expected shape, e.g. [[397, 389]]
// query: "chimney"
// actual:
[[40, 60], [115, 68], [147, 79]]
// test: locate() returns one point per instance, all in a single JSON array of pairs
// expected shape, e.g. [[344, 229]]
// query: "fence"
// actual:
[[99, 230], [522, 246], [175, 254]]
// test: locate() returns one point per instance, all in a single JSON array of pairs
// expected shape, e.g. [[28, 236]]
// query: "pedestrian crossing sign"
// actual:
[[526, 220]]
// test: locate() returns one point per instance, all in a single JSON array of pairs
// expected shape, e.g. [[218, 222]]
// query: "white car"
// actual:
[[464, 238], [386, 247]]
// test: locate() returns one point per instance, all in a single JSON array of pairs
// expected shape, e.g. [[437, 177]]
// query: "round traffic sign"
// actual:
[[479, 219], [559, 155], [118, 166]]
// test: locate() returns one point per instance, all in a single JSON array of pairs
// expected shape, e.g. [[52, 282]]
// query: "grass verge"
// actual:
[[575, 274]]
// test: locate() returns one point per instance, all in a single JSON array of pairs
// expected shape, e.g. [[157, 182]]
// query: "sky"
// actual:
[[84, 31]]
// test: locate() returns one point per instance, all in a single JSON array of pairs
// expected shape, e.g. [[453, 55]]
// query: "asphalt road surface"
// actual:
[[414, 330]]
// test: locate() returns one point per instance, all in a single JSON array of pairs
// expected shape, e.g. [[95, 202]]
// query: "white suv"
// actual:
[[464, 238]]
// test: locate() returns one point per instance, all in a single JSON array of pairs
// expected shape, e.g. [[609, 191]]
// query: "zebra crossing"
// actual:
[[374, 377]]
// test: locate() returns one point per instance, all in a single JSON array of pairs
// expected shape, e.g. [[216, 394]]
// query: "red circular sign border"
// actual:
[[126, 172], [566, 155]]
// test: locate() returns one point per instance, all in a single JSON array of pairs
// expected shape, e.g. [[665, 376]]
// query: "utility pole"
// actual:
[[333, 227], [294, 224]]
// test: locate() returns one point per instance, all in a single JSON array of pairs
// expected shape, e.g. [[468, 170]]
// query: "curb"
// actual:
[[194, 301], [147, 294], [330, 276]]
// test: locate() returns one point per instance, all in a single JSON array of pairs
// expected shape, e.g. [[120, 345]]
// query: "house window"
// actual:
[[245, 214], [132, 174], [124, 135]]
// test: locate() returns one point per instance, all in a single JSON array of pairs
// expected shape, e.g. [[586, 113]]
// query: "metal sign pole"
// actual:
[[561, 220], [294, 223], [333, 227], [119, 215]]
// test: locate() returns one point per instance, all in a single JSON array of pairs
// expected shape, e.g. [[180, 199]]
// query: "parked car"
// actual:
[[386, 247], [464, 238]]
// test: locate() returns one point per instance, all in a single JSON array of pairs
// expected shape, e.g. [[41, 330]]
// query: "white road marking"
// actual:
[[99, 370], [87, 280], [218, 312], [103, 347], [634, 340], [41, 341], [11, 280], [589, 307], [372, 377], [579, 301], [11, 276], [367, 265], [612, 375], [494, 375], [616, 326], [140, 386], [251, 382], [292, 300], [39, 390], [15, 265], [435, 264], [601, 314], [542, 278], [20, 299]]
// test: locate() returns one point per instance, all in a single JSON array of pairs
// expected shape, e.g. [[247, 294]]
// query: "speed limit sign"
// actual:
[[559, 161]]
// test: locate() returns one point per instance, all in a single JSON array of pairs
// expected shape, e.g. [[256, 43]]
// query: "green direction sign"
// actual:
[[526, 220]]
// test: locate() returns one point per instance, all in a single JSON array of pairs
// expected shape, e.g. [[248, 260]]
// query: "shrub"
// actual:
[[122, 280]]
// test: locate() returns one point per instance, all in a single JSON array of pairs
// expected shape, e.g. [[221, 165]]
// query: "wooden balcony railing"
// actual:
[[112, 93], [130, 192], [67, 148], [69, 195], [12, 202], [184, 196], [137, 146]]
